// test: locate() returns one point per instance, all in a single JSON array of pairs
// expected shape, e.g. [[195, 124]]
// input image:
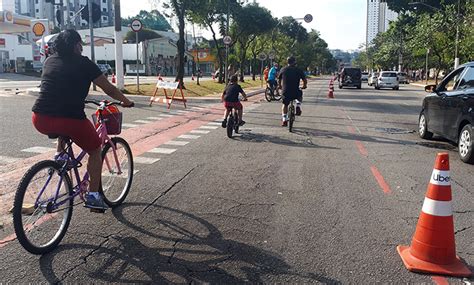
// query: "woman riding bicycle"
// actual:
[[59, 109]]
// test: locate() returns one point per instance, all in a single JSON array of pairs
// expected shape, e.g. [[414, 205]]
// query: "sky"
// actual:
[[341, 23]]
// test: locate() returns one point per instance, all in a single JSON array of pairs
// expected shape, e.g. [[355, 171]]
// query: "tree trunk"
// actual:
[[181, 48], [219, 55]]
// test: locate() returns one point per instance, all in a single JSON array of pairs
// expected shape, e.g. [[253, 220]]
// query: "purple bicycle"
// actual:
[[44, 200]]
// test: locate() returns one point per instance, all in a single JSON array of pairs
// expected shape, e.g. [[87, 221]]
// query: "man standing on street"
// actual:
[[291, 76]]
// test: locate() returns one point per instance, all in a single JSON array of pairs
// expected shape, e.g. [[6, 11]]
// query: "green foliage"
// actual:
[[152, 20]]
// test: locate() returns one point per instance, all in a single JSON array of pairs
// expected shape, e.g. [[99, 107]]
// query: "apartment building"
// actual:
[[379, 17]]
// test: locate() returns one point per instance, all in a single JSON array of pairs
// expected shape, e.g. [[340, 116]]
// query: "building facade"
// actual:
[[379, 17]]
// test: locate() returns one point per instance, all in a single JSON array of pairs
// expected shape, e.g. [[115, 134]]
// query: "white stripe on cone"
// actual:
[[440, 177], [437, 208]]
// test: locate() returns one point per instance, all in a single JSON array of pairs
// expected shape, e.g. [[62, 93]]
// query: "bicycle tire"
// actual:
[[230, 125], [106, 191], [268, 94], [20, 232], [277, 94], [291, 120]]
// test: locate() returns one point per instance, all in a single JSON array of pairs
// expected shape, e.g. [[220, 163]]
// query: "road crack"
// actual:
[[174, 250], [461, 230], [168, 190]]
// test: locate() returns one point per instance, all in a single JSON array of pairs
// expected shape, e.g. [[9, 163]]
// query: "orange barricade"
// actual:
[[168, 85]]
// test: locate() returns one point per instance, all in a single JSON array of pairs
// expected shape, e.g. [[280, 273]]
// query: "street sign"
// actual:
[[271, 54], [262, 56], [308, 18], [227, 40], [136, 25]]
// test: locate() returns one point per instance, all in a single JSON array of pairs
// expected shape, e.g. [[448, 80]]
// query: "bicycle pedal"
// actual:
[[97, 211]]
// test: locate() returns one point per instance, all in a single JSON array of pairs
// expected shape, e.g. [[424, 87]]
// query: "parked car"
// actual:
[[402, 77], [447, 111], [372, 78], [105, 68], [387, 79], [350, 76], [364, 76]]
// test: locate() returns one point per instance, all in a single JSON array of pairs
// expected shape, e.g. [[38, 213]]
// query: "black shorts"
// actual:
[[289, 96]]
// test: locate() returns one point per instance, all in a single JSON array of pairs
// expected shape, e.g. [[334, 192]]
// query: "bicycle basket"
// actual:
[[112, 118]]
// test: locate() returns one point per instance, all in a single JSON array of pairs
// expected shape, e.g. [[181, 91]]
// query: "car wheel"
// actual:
[[423, 128], [359, 86], [465, 144]]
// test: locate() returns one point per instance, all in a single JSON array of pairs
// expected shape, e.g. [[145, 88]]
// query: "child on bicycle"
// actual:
[[230, 97]]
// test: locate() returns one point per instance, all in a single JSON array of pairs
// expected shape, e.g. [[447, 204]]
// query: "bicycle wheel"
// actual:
[[236, 122], [291, 119], [230, 125], [268, 94], [277, 94], [116, 177], [39, 223]]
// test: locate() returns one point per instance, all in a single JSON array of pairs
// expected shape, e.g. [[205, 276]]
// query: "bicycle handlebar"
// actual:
[[105, 103]]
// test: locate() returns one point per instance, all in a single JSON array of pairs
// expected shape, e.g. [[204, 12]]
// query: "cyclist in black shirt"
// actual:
[[291, 76], [230, 97]]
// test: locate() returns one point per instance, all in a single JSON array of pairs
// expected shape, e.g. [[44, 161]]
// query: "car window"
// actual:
[[389, 74], [467, 81], [450, 83]]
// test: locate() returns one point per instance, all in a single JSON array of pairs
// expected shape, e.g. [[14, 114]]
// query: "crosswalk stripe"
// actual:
[[199, 132], [180, 143], [145, 160], [8, 159], [192, 137], [143, 121], [129, 125], [38, 149], [208, 127], [182, 112], [154, 118], [162, 150], [214, 123], [166, 115]]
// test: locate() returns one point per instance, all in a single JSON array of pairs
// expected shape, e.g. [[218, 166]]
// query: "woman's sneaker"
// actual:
[[95, 201]]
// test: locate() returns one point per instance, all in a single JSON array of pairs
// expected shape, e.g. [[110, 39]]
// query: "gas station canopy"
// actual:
[[13, 23]]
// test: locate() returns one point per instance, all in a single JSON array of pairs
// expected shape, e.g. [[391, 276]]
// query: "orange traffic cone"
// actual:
[[433, 249], [331, 90], [113, 78]]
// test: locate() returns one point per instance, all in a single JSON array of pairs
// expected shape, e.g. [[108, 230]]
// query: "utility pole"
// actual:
[[456, 58], [227, 46], [91, 28], [68, 16], [118, 46]]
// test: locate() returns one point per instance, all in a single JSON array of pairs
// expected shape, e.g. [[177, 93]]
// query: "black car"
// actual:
[[350, 76], [448, 110]]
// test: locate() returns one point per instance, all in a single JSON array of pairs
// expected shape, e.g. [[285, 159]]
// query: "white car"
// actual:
[[372, 78], [387, 79], [364, 76], [402, 77]]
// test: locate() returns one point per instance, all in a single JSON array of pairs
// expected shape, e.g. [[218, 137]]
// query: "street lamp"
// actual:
[[456, 58]]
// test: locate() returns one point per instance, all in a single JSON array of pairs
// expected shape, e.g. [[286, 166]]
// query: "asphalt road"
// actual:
[[328, 203]]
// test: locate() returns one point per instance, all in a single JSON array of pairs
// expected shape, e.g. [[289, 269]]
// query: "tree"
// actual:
[[250, 22], [153, 20], [144, 34], [403, 5]]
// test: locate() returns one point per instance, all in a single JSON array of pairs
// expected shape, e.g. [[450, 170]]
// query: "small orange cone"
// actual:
[[433, 249], [331, 90], [114, 80]]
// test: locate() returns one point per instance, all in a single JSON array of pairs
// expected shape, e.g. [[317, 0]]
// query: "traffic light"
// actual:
[[95, 13]]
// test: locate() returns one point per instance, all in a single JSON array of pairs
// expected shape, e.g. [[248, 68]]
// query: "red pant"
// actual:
[[81, 132]]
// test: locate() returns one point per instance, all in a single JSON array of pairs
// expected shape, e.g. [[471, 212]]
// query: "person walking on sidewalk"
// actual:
[[290, 76]]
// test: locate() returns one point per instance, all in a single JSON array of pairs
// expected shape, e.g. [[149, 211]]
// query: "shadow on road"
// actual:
[[184, 248]]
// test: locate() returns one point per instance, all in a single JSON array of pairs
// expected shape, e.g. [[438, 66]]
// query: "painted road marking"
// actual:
[[38, 149], [199, 132], [192, 137], [162, 150], [215, 123], [208, 127], [154, 118], [182, 111], [129, 125], [180, 143], [145, 160], [7, 159], [378, 176], [166, 115], [143, 121]]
